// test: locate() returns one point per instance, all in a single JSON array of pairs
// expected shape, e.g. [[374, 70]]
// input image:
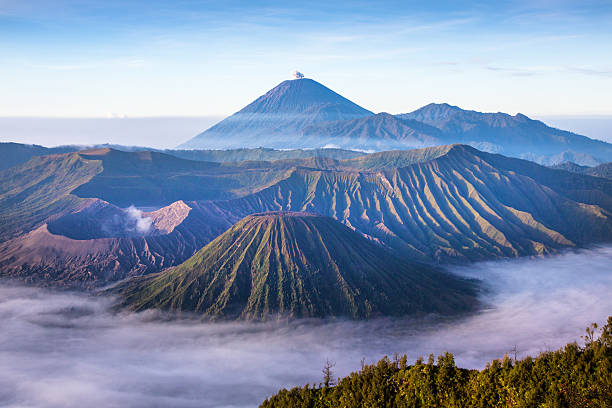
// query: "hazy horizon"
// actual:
[[155, 132], [166, 132]]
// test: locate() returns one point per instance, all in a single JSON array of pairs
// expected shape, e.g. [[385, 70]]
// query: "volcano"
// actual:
[[292, 264], [275, 118]]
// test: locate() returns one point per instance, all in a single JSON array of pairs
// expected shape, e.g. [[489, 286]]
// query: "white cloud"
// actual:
[[141, 224], [65, 350]]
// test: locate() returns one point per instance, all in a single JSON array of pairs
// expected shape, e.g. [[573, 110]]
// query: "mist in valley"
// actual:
[[60, 349]]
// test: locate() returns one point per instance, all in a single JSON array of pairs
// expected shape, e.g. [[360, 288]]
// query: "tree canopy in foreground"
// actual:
[[575, 376]]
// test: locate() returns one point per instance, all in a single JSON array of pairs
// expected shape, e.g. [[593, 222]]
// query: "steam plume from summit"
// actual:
[[137, 221]]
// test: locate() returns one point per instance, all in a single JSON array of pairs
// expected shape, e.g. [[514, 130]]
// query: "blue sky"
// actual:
[[80, 58]]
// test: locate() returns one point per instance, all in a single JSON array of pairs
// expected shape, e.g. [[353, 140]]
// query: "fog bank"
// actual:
[[68, 350]]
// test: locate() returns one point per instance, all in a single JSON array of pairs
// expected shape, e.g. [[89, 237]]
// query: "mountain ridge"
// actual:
[[315, 119], [380, 131], [602, 170], [516, 135], [14, 154], [453, 207]]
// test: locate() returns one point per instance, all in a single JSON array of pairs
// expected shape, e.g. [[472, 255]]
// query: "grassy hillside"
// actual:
[[13, 154], [572, 377], [451, 204], [297, 265], [40, 189], [396, 158], [48, 187], [261, 154], [156, 179]]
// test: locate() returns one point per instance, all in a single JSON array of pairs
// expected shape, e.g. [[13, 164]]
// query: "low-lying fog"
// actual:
[[67, 350]]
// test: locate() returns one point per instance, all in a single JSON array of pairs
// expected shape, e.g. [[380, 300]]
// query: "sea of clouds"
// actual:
[[68, 350]]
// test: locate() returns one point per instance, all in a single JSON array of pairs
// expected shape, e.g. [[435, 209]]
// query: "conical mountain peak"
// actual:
[[276, 118], [299, 95], [288, 264]]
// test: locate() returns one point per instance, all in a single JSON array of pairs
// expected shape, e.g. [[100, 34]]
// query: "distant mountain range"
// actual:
[[515, 135], [283, 264], [66, 220], [302, 113], [382, 131], [13, 154], [601, 170]]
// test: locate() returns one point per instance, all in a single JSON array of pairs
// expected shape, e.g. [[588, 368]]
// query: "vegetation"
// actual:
[[572, 377], [448, 204], [40, 189], [13, 154], [151, 178], [261, 154], [395, 159], [298, 265]]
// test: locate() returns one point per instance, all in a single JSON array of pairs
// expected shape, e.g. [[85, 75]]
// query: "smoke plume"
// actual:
[[137, 221]]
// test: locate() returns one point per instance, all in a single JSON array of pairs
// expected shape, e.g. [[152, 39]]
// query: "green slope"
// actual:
[[50, 186], [40, 189], [448, 204], [156, 179], [396, 158], [14, 154], [297, 265], [261, 154], [572, 377]]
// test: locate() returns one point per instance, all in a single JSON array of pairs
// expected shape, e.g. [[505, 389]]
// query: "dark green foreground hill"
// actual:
[[297, 265], [573, 377]]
